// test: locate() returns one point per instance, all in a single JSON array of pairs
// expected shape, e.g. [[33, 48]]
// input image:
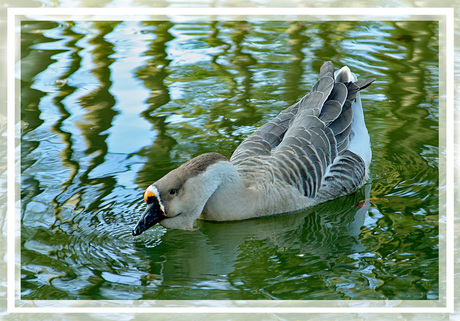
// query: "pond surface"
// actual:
[[107, 108]]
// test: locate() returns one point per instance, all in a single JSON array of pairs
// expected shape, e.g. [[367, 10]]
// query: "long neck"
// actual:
[[232, 200]]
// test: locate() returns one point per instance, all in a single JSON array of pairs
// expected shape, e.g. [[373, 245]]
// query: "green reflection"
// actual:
[[207, 86]]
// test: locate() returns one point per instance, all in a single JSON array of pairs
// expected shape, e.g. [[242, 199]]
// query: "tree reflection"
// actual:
[[153, 76], [98, 117], [230, 78], [412, 98]]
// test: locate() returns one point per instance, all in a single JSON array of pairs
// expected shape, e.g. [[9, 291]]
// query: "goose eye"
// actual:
[[173, 191]]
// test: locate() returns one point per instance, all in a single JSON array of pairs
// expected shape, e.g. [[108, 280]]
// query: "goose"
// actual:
[[314, 151]]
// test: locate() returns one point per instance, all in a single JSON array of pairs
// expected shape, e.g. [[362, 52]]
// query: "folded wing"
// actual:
[[305, 146]]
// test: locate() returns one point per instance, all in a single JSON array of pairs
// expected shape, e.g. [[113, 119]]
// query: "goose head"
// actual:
[[178, 198]]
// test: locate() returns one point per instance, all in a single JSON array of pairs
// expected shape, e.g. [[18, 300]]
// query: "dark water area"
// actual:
[[107, 108]]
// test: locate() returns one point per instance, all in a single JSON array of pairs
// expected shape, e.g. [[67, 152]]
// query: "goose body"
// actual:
[[314, 151]]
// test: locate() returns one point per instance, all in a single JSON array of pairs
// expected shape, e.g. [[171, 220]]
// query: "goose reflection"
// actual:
[[228, 250]]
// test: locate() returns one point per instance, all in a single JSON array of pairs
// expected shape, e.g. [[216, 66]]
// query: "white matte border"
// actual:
[[362, 306]]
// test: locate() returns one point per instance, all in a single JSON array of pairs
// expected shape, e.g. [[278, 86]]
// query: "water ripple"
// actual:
[[110, 107]]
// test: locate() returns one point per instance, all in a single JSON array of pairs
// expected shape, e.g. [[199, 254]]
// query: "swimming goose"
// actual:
[[314, 151]]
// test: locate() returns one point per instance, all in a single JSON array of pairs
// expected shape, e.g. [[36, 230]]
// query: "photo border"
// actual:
[[445, 16]]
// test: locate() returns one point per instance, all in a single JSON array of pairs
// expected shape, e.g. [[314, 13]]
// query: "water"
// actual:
[[107, 108]]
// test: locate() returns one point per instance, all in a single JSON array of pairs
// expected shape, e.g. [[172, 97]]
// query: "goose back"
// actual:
[[306, 146]]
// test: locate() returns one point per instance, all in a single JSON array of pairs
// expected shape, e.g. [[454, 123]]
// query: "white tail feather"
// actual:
[[359, 137]]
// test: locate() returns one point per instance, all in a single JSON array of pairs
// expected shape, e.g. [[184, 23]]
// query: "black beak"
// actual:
[[151, 216]]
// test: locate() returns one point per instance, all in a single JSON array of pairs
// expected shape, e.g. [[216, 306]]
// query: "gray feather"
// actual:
[[330, 111], [305, 146], [327, 69], [339, 93], [344, 120]]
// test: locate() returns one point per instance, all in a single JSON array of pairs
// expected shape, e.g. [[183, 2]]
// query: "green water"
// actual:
[[107, 108]]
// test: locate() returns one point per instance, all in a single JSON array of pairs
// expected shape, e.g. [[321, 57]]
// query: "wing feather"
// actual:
[[305, 146]]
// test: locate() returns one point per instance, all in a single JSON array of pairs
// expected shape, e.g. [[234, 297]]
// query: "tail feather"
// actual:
[[323, 133]]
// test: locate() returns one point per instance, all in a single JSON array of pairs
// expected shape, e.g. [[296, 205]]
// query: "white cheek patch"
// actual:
[[154, 190]]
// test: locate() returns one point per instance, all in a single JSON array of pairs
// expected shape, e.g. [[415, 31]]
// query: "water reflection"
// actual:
[[411, 100], [295, 69], [109, 107], [153, 76], [96, 119], [236, 109], [310, 243]]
